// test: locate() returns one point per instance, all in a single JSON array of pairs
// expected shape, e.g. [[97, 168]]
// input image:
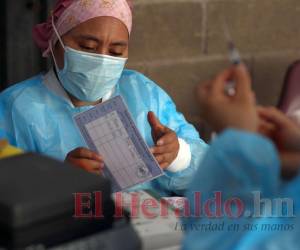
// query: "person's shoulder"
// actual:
[[21, 90], [133, 78], [137, 85]]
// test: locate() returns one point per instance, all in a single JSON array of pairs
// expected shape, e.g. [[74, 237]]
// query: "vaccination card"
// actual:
[[109, 129]]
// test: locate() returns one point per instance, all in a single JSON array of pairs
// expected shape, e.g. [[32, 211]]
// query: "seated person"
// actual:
[[88, 43], [245, 161]]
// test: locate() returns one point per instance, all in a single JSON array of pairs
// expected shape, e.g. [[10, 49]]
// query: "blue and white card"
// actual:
[[109, 129]]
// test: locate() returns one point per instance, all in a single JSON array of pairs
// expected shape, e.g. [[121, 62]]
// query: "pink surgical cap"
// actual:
[[67, 14]]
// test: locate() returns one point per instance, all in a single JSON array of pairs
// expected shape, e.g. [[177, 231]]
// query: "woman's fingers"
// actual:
[[242, 81], [165, 158], [287, 132], [170, 148], [84, 153], [157, 129], [164, 165], [169, 138], [202, 91], [218, 84], [88, 165], [266, 128], [167, 149], [275, 116], [86, 159], [238, 74], [154, 121]]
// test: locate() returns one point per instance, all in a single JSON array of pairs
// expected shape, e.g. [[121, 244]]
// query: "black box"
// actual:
[[37, 202]]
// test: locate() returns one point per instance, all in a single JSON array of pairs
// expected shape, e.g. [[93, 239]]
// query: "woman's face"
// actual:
[[100, 35]]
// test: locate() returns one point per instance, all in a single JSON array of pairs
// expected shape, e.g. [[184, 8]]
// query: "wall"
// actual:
[[22, 58], [179, 43]]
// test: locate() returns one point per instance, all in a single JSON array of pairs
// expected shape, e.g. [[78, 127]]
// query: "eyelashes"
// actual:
[[94, 50], [87, 48]]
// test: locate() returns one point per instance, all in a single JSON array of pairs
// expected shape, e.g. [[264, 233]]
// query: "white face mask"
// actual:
[[88, 76]]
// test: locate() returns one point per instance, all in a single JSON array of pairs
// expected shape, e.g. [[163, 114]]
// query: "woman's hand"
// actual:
[[166, 140], [86, 159], [285, 134], [222, 111]]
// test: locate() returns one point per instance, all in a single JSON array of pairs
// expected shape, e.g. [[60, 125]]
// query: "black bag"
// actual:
[[37, 202]]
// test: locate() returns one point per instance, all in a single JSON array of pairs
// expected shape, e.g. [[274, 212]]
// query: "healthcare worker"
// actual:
[[244, 166], [88, 42]]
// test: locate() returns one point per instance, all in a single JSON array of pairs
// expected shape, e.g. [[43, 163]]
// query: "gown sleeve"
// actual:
[[2, 132], [13, 122], [237, 165], [177, 182]]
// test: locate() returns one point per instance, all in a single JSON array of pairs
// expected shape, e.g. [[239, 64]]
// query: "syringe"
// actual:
[[234, 57]]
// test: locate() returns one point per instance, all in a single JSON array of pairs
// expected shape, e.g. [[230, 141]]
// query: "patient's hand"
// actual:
[[285, 134], [222, 111], [166, 140], [86, 159]]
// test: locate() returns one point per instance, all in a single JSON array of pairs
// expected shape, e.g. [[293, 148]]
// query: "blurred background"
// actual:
[[177, 43]]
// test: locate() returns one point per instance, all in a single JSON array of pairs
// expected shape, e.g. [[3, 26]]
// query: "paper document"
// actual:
[[160, 232], [109, 130]]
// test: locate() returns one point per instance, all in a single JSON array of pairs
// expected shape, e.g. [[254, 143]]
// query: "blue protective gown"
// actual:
[[2, 134], [237, 164], [38, 120]]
